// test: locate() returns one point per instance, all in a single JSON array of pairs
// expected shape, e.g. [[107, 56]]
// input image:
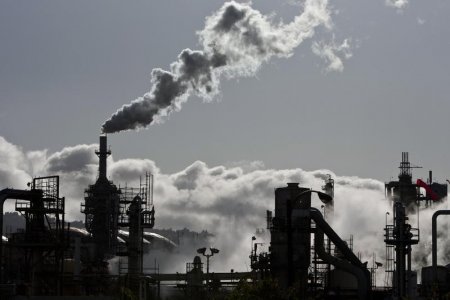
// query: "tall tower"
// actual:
[[101, 208], [402, 236], [290, 237], [404, 190]]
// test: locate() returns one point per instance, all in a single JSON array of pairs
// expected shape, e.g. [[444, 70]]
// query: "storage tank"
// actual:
[[339, 279], [428, 276]]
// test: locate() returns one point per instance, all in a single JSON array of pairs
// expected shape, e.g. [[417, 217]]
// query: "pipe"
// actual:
[[77, 259], [353, 265], [102, 154], [434, 238], [316, 215]]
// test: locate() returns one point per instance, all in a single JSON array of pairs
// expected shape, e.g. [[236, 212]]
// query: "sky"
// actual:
[[368, 81]]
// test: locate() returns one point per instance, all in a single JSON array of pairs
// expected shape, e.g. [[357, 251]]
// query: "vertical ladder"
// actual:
[[390, 265]]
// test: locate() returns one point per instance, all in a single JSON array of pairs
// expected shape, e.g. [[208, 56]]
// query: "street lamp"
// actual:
[[202, 251]]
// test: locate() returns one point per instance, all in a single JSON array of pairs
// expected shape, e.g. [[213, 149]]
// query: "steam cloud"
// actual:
[[399, 4], [330, 51], [228, 201], [236, 41]]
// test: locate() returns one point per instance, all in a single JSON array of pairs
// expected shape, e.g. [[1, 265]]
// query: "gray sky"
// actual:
[[66, 66]]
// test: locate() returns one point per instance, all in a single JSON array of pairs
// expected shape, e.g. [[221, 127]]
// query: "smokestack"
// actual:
[[102, 154]]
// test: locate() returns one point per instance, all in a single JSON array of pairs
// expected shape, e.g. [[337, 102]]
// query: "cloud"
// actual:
[[72, 159], [333, 53], [399, 4], [229, 201], [14, 166], [421, 21], [131, 170]]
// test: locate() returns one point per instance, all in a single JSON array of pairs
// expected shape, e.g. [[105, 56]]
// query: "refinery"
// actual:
[[51, 258], [243, 220]]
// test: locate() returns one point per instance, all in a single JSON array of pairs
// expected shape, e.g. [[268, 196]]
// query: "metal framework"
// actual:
[[44, 240], [401, 236]]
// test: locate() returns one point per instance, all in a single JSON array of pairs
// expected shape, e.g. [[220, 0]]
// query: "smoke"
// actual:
[[228, 201], [72, 159], [399, 4], [331, 53], [236, 41], [15, 167]]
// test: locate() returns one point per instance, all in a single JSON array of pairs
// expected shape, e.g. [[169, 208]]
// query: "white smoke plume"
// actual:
[[236, 41], [399, 4], [230, 202], [332, 52]]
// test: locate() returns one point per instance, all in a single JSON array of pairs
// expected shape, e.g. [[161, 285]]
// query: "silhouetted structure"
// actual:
[[408, 193], [402, 236], [101, 208], [38, 251], [306, 257], [290, 256]]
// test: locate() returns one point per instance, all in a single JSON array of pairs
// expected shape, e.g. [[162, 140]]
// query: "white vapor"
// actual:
[[236, 41], [332, 53], [228, 201], [399, 4]]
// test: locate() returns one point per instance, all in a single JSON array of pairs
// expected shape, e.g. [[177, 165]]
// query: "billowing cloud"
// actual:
[[15, 168], [228, 201], [131, 170], [399, 4], [333, 53], [72, 159]]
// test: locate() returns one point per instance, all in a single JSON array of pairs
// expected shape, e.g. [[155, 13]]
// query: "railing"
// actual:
[[392, 236]]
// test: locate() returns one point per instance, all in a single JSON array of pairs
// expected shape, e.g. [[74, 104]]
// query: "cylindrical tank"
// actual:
[[290, 247], [428, 276]]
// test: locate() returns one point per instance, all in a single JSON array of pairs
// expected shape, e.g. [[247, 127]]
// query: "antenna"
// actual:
[[405, 165]]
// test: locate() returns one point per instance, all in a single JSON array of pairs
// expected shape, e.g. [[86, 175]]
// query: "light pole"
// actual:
[[202, 251]]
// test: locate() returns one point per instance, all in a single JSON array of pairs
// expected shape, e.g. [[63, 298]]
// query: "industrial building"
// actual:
[[306, 259]]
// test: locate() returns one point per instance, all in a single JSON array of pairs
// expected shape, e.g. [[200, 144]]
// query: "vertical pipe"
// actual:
[[399, 216], [434, 239], [77, 258], [207, 269], [290, 273], [2, 201], [103, 154]]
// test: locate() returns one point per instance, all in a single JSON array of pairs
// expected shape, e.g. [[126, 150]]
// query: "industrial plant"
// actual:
[[50, 258]]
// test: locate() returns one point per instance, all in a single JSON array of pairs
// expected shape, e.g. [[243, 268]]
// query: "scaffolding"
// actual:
[[45, 238], [128, 194]]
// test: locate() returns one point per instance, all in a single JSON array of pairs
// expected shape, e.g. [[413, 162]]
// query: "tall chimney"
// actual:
[[102, 154]]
